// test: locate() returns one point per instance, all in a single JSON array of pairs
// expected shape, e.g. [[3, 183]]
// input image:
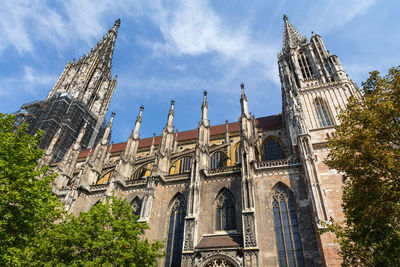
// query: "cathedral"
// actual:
[[255, 192]]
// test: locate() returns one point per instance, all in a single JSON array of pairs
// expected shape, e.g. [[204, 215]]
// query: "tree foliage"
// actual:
[[108, 235], [34, 229], [366, 149], [27, 205]]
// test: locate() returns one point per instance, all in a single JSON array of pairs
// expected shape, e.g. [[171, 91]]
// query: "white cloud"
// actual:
[[331, 15], [194, 28], [25, 22], [27, 83], [33, 77]]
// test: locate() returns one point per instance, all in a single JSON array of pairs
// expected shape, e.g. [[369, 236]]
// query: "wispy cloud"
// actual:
[[25, 22], [194, 28], [27, 82], [326, 16]]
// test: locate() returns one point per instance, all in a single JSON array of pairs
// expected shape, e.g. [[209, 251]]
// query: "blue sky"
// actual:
[[176, 49]]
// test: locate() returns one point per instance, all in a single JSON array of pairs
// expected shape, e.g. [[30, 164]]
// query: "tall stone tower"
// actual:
[[314, 90], [81, 94]]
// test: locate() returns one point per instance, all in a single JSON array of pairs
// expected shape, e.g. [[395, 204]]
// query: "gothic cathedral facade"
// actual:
[[254, 192]]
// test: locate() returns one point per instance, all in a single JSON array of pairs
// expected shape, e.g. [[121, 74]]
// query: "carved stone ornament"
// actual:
[[250, 240], [189, 229], [220, 259], [219, 263]]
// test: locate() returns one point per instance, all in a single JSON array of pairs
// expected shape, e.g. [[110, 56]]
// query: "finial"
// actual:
[[242, 87], [117, 22], [172, 102], [154, 135], [112, 114], [205, 93], [285, 17], [141, 107]]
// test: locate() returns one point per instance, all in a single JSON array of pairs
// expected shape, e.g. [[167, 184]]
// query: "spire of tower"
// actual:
[[170, 116], [135, 132], [204, 110], [243, 101], [108, 129], [80, 136], [103, 51], [291, 37]]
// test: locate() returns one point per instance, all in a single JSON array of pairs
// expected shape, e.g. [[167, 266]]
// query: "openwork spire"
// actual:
[[103, 51], [291, 37]]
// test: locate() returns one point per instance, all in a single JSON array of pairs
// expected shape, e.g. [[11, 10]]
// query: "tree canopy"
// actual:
[[27, 205], [35, 230], [366, 149], [108, 235]]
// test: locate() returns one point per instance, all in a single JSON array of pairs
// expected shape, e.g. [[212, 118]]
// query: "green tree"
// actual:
[[27, 205], [34, 229], [108, 235], [366, 149]]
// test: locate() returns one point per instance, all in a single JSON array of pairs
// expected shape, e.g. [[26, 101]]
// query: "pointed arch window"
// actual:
[[182, 165], [136, 206], [238, 154], [217, 160], [141, 172], [175, 232], [272, 149], [104, 178], [323, 114], [225, 213], [305, 66], [288, 240]]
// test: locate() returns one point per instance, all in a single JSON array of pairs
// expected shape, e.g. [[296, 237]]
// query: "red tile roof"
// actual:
[[269, 121], [219, 241]]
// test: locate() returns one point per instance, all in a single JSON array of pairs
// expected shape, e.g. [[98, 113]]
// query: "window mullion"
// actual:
[[283, 233], [291, 232]]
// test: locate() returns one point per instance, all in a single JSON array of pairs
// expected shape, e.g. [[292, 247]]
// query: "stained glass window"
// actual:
[[136, 206], [238, 154], [288, 240], [323, 115], [104, 178], [218, 160], [225, 214], [272, 149], [175, 232], [181, 166], [142, 171], [305, 66]]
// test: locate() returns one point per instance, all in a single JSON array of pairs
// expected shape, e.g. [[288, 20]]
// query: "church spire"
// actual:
[[108, 130], [170, 117], [204, 110], [135, 132], [291, 37], [103, 51], [243, 102]]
